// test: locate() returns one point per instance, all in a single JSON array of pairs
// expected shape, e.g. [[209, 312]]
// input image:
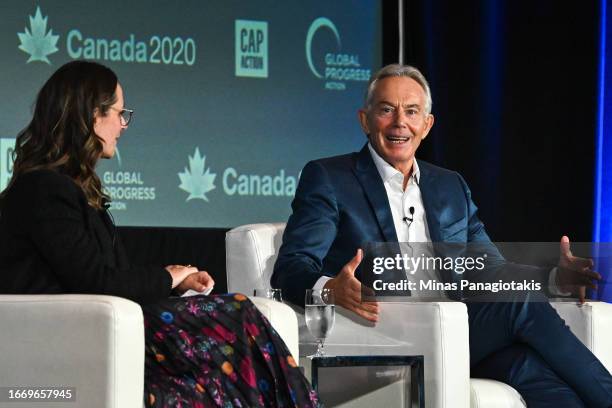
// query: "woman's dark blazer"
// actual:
[[52, 241]]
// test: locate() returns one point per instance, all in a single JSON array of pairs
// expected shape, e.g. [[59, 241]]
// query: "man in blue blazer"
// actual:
[[382, 194]]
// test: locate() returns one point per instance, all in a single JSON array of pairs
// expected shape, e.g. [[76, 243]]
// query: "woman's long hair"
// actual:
[[61, 135]]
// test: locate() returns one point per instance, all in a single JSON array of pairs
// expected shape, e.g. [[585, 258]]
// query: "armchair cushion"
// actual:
[[592, 324], [493, 394], [282, 318], [93, 343]]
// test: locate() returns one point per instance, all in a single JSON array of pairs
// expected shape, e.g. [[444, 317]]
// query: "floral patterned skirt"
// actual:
[[218, 351]]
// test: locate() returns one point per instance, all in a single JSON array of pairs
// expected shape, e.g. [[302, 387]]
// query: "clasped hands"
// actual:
[[188, 277], [574, 275]]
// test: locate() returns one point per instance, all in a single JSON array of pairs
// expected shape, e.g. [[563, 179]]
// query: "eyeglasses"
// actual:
[[126, 115]]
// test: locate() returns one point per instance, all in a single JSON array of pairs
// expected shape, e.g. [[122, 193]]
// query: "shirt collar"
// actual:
[[388, 172]]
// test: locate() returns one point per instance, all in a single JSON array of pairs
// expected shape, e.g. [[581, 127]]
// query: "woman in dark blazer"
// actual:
[[56, 236]]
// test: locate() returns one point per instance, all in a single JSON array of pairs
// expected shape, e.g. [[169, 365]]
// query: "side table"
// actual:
[[351, 381]]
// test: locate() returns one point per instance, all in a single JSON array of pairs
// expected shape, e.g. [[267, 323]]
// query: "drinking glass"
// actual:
[[269, 293], [320, 315]]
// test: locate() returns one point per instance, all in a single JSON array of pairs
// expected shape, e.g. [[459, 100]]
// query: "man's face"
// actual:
[[396, 120]]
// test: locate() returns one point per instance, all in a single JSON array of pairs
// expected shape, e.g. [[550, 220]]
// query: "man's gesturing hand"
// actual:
[[575, 274], [347, 290]]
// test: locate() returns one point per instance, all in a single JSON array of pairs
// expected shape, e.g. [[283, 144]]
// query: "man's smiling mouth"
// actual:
[[397, 139]]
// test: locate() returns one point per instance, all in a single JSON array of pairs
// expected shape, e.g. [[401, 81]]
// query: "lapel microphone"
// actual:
[[409, 220]]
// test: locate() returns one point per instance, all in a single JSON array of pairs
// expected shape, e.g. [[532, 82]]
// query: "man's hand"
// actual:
[[347, 290], [575, 274], [199, 281]]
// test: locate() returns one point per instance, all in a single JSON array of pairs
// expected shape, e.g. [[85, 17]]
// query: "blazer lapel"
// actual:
[[431, 202], [366, 172]]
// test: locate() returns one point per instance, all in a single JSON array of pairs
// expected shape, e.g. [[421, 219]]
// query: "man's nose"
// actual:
[[401, 118]]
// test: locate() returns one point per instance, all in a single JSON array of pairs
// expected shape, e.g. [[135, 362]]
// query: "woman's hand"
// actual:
[[199, 281], [179, 273]]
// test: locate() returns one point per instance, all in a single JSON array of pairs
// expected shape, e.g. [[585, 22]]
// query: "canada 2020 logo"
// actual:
[[39, 42], [198, 181], [36, 41]]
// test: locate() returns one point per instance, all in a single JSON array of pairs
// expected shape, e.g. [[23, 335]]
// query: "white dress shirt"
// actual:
[[410, 226], [401, 200]]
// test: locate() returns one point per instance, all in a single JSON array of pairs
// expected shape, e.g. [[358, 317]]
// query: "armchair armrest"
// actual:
[[283, 319], [592, 324], [93, 343]]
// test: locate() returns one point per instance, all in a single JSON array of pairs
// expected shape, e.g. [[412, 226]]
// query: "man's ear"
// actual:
[[363, 120], [429, 121]]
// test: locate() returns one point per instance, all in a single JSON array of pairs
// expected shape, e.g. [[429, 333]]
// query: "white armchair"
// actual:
[[92, 343], [436, 330]]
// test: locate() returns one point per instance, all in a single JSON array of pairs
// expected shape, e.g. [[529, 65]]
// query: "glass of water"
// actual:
[[320, 315], [269, 293]]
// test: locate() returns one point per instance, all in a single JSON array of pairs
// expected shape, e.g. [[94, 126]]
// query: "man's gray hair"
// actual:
[[397, 70]]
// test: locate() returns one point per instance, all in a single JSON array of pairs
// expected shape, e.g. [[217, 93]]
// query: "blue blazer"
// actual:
[[341, 204]]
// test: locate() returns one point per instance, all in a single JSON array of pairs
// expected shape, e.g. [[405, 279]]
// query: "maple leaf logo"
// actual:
[[37, 41], [195, 180]]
